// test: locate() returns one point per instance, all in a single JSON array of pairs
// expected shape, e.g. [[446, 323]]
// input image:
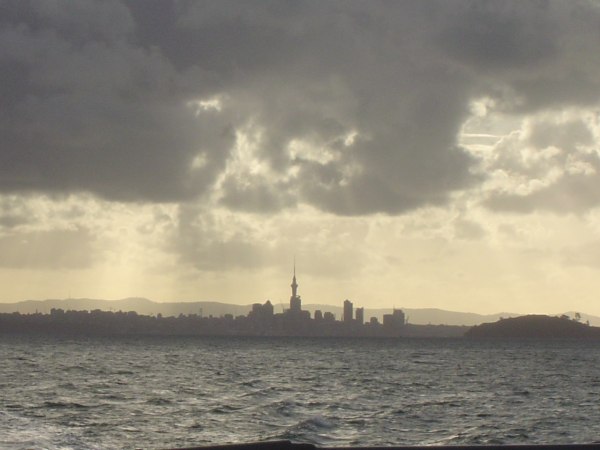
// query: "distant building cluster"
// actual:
[[296, 321], [260, 321]]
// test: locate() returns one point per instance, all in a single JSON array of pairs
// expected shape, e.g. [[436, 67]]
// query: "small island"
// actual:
[[535, 327]]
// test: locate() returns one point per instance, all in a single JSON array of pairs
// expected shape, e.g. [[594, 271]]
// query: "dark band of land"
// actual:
[[106, 323], [535, 326]]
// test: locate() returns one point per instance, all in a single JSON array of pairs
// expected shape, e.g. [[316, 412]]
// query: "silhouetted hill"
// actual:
[[140, 305], [416, 316], [535, 326]]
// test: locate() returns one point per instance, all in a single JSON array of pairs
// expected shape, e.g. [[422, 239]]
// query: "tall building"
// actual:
[[261, 312], [360, 315], [399, 317], [347, 311], [295, 301], [268, 308], [395, 320]]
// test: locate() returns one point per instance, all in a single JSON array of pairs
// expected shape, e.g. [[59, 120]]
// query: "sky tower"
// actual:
[[295, 301]]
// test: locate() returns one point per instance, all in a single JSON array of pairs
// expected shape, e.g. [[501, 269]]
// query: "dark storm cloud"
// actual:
[[96, 112], [96, 94], [499, 36], [533, 54]]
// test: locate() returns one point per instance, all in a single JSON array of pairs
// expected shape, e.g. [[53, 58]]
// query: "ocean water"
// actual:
[[112, 393]]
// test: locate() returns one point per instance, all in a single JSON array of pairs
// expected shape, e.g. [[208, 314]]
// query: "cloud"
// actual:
[[53, 249], [468, 229], [572, 194], [495, 36], [104, 97], [215, 240], [551, 164], [103, 116], [566, 134], [528, 55], [256, 194], [14, 212]]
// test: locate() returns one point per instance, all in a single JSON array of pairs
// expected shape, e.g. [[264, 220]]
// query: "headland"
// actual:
[[534, 327]]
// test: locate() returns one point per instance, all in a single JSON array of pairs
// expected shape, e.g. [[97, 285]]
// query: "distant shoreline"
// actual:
[[130, 324], [103, 323]]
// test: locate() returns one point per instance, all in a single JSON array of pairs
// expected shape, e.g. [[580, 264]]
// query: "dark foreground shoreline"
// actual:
[[287, 445]]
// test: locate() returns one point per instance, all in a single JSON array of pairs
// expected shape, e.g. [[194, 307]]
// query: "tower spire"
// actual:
[[294, 285], [295, 302]]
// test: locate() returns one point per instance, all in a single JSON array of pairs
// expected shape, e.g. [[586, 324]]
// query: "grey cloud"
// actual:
[[526, 153], [577, 189], [55, 249], [571, 194], [108, 118], [256, 194], [211, 241], [559, 89], [532, 55], [14, 212], [12, 220], [204, 241], [366, 194], [96, 94], [499, 36], [108, 20]]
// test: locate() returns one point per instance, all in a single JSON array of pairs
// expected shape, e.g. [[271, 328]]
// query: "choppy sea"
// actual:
[[113, 393]]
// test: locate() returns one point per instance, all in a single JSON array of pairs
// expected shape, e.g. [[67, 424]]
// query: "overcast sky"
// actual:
[[408, 153]]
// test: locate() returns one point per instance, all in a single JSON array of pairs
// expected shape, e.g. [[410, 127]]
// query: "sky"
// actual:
[[417, 154]]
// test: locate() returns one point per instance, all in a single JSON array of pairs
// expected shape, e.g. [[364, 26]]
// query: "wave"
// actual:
[[65, 404]]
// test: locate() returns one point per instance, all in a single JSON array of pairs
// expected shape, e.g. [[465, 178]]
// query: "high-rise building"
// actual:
[[347, 311], [399, 317], [268, 308], [360, 315], [261, 312], [395, 320]]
